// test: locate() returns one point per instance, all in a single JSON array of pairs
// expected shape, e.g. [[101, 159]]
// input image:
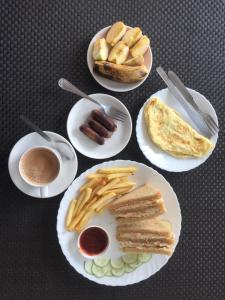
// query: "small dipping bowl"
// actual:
[[93, 241]]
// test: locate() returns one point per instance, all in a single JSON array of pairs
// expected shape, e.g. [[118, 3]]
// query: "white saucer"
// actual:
[[78, 116], [110, 84], [160, 158], [67, 175]]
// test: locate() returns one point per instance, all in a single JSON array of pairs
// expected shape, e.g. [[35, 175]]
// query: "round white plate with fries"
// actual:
[[86, 203]]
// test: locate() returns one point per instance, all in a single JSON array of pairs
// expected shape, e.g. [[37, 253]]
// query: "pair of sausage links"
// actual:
[[105, 120], [101, 130], [92, 134]]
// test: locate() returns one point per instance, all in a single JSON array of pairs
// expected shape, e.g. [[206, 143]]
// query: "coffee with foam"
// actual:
[[39, 166]]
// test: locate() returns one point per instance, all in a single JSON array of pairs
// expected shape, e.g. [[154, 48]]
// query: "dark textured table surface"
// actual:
[[42, 41]]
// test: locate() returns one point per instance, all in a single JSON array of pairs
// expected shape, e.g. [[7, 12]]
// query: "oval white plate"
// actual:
[[110, 84], [160, 158], [67, 175], [79, 114], [68, 240]]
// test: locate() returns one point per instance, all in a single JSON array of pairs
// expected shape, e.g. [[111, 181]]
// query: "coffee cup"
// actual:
[[40, 166]]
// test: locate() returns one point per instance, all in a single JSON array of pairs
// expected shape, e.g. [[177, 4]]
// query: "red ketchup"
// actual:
[[93, 241]]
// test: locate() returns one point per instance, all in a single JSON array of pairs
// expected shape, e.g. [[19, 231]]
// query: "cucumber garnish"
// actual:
[[88, 266], [130, 258], [136, 264], [98, 271], [101, 261], [109, 273], [117, 263], [128, 268], [144, 257], [118, 272]]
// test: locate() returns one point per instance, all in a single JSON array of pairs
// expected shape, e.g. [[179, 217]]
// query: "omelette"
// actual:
[[171, 133]]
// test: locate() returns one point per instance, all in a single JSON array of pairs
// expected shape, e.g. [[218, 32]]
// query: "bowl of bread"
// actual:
[[119, 57]]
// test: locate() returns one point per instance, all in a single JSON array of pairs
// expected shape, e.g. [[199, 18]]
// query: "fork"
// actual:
[[209, 121], [107, 109]]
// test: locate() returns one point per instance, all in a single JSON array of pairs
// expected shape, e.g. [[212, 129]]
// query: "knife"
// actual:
[[199, 123], [190, 99]]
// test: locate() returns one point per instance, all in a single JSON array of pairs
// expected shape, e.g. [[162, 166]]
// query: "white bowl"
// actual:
[[83, 253], [110, 84], [78, 116], [160, 158]]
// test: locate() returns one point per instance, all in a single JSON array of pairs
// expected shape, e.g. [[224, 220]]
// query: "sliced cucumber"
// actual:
[[128, 268], [101, 261], [107, 267], [136, 264], [117, 263], [118, 272], [109, 273], [130, 258], [88, 266], [144, 257], [98, 271]]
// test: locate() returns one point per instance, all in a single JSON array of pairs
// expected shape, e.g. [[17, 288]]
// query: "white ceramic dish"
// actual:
[[67, 173], [114, 145], [160, 158], [82, 252], [110, 84], [68, 240]]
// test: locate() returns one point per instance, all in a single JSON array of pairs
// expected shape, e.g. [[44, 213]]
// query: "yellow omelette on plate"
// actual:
[[171, 133]]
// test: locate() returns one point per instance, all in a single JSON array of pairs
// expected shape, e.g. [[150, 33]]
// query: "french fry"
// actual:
[[90, 184], [104, 203], [76, 221], [70, 212], [102, 200], [83, 212], [84, 221], [95, 176], [108, 186], [87, 196], [79, 200], [98, 187], [117, 170], [118, 175], [126, 184], [121, 191]]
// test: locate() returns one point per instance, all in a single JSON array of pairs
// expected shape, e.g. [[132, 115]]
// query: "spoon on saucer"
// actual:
[[63, 148]]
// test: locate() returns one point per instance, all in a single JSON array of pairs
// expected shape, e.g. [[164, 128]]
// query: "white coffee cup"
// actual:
[[39, 166]]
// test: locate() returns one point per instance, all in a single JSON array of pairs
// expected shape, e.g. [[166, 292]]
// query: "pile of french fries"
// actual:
[[95, 195]]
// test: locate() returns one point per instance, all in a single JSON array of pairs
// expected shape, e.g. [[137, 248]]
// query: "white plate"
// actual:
[[78, 116], [110, 84], [160, 158], [67, 175], [68, 240]]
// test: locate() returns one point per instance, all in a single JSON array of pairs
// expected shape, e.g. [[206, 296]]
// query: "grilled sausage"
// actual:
[[105, 120], [94, 136], [100, 129]]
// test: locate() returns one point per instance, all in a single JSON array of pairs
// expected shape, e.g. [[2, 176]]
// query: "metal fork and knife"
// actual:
[[203, 121]]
